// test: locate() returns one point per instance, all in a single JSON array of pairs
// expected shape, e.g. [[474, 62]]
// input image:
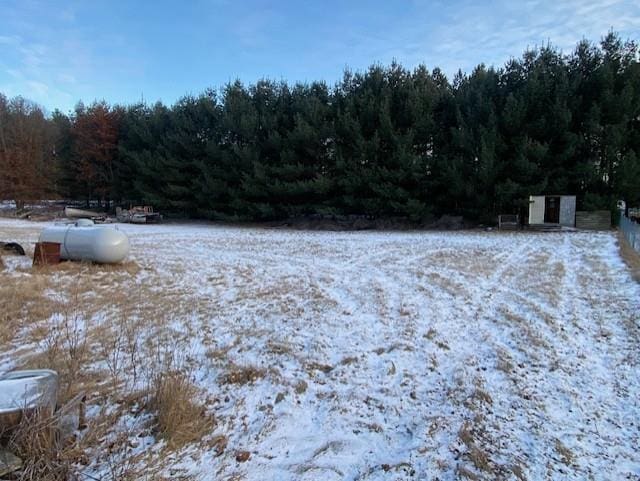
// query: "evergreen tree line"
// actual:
[[388, 142]]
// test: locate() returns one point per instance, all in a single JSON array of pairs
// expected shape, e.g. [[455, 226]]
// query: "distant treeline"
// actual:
[[386, 142]]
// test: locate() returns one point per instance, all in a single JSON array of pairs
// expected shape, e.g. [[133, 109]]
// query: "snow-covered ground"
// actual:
[[400, 355]]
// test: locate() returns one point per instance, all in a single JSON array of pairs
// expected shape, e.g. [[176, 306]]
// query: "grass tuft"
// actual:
[[566, 456], [36, 441], [242, 375], [181, 420]]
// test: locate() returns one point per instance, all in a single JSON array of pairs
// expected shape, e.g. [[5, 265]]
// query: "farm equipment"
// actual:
[[73, 213], [138, 215]]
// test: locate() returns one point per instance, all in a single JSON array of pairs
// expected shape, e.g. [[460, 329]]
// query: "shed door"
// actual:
[[552, 210]]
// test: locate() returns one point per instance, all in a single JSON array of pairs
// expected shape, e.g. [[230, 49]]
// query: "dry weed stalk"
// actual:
[[66, 346], [122, 463], [93, 320], [172, 396], [37, 441]]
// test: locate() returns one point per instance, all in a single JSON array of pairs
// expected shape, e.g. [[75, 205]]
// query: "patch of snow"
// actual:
[[403, 355]]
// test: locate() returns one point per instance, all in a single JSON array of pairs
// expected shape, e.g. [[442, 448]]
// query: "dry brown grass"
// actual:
[[466, 474], [181, 420], [21, 301], [67, 334], [46, 452], [566, 456], [630, 257], [118, 458], [465, 433], [82, 317], [32, 295], [504, 361], [34, 442], [301, 387], [518, 472], [345, 361], [481, 396], [533, 336], [91, 268], [242, 374], [478, 457], [313, 366]]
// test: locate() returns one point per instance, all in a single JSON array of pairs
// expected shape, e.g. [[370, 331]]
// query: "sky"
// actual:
[[57, 53]]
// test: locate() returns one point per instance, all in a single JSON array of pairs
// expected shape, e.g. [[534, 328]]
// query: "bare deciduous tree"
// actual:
[[95, 133], [26, 151]]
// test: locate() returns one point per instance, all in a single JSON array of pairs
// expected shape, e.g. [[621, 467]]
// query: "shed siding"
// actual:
[[536, 209], [568, 210], [596, 220]]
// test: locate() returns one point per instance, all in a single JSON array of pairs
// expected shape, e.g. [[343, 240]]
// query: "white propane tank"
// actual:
[[86, 242]]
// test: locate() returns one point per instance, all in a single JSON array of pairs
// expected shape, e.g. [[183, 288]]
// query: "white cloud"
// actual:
[[67, 78], [36, 89], [494, 35], [53, 59], [17, 74], [9, 40], [57, 48], [463, 34]]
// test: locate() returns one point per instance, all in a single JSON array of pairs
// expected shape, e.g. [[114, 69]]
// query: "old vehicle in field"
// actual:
[[75, 213], [138, 215]]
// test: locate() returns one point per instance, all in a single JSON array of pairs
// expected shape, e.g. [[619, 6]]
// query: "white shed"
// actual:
[[552, 209]]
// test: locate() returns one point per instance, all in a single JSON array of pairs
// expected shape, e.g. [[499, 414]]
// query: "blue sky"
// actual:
[[57, 53]]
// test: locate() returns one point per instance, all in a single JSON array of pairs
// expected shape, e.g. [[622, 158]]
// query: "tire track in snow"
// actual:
[[496, 293], [336, 402]]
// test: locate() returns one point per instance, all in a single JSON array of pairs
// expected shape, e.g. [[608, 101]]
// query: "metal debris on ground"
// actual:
[[97, 217], [9, 462], [140, 214], [12, 247]]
